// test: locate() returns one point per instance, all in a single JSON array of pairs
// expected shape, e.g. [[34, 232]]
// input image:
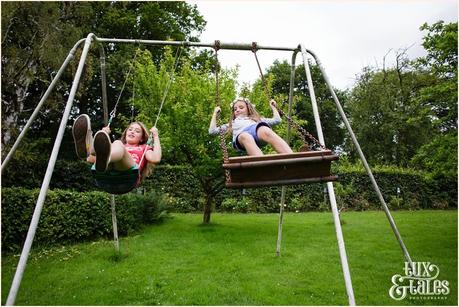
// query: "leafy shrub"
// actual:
[[188, 187], [395, 202], [69, 216], [178, 204], [68, 175], [302, 203], [243, 205]]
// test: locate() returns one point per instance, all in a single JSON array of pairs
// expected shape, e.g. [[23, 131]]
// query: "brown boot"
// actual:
[[103, 149], [82, 135]]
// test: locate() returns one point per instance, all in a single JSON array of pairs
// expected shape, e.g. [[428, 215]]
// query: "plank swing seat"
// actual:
[[275, 169], [280, 169]]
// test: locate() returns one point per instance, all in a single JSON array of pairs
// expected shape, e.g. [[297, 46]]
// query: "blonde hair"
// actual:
[[149, 167], [252, 112]]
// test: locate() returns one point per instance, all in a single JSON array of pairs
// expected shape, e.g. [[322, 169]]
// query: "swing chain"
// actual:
[[113, 112], [265, 86], [218, 101], [303, 133], [178, 53]]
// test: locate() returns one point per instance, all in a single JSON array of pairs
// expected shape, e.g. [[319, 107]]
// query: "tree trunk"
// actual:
[[13, 106], [207, 211]]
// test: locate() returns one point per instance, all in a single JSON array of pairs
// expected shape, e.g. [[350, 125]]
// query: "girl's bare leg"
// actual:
[[120, 158], [249, 144], [267, 135]]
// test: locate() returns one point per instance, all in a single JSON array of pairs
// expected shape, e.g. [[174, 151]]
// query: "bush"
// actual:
[[243, 205], [402, 189], [69, 216], [188, 187], [67, 175]]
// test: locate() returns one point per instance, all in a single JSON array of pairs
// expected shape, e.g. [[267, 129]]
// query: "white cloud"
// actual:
[[346, 35]]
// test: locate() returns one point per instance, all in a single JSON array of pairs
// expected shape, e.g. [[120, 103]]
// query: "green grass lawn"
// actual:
[[233, 261]]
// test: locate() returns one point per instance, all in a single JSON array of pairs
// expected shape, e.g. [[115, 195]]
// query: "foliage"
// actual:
[[28, 66], [181, 185], [440, 42], [243, 205], [191, 96], [68, 175], [69, 217], [439, 157], [302, 107], [185, 191], [383, 106], [411, 107], [35, 41]]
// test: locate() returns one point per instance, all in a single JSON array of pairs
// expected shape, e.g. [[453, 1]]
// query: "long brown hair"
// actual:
[[149, 167], [252, 112], [145, 133]]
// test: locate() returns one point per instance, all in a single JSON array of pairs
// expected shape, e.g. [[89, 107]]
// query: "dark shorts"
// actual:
[[252, 130]]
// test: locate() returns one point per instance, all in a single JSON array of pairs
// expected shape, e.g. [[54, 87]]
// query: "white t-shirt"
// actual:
[[240, 123]]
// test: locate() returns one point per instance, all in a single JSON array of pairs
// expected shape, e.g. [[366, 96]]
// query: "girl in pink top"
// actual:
[[121, 155]]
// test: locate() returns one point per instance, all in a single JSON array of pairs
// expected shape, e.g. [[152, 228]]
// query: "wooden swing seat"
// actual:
[[280, 169]]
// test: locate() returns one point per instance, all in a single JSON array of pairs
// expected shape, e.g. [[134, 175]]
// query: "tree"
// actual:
[[28, 67], [302, 108], [35, 41], [441, 62], [184, 120], [440, 155], [400, 113], [384, 112]]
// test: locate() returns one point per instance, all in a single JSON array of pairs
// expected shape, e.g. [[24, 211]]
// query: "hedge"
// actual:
[[72, 215], [185, 190], [402, 189], [67, 175], [69, 216]]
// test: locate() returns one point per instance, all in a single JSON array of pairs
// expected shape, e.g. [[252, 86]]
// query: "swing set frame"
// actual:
[[228, 46]]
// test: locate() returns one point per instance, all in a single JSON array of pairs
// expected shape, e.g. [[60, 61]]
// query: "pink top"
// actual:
[[137, 152]]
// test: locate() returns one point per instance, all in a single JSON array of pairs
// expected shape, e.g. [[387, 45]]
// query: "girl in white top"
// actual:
[[250, 131]]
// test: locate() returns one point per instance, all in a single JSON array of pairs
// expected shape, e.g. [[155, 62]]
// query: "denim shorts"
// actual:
[[252, 130]]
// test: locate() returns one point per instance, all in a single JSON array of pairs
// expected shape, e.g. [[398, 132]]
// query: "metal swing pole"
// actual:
[[49, 172], [283, 191], [331, 191], [115, 224], [103, 77], [116, 241], [364, 160], [40, 104]]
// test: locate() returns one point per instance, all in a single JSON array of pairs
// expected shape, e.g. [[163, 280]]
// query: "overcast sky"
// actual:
[[346, 35]]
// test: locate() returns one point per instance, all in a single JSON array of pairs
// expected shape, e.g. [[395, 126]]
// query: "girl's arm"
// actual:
[[154, 156], [213, 129], [276, 115], [276, 119]]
